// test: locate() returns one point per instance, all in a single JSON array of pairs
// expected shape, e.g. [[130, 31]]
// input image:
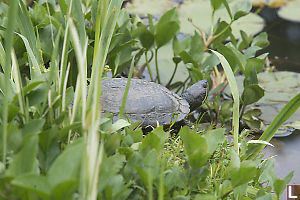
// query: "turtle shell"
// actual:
[[147, 102]]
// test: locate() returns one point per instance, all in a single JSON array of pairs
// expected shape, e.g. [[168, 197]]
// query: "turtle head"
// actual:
[[196, 94]]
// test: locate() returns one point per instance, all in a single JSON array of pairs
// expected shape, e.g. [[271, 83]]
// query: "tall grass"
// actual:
[[74, 37], [9, 33], [236, 97]]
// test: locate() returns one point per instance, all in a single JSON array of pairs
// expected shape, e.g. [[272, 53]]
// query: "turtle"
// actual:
[[151, 103]]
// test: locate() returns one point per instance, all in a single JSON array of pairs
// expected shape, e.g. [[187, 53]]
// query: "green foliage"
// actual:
[[52, 149]]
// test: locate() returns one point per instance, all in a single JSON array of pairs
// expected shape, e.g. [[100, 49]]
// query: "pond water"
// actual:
[[284, 37], [284, 49]]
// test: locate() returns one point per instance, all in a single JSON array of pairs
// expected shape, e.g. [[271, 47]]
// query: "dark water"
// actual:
[[284, 49], [284, 37]]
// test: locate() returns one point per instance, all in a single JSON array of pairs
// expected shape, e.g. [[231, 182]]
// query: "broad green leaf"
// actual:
[[33, 182], [14, 138], [24, 162], [236, 60], [251, 94], [147, 39], [65, 190], [110, 167], [164, 32], [241, 8], [39, 95], [222, 32], [33, 127], [187, 58], [121, 123], [155, 139], [215, 4], [170, 15], [245, 42], [195, 147], [225, 188], [197, 47], [67, 165], [213, 139], [244, 173], [261, 40], [176, 178]]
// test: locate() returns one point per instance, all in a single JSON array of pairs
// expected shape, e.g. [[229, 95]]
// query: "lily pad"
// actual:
[[153, 7], [200, 13], [269, 3], [290, 11]]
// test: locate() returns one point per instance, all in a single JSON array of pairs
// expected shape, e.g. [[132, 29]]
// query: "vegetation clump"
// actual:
[[52, 149]]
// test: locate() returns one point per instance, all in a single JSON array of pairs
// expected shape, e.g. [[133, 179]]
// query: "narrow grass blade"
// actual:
[[285, 113], [27, 30], [82, 66], [2, 55], [123, 104], [18, 84], [11, 16], [236, 97], [64, 58]]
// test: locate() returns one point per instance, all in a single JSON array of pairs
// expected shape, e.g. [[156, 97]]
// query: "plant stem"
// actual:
[[148, 66], [123, 104], [156, 66], [171, 79]]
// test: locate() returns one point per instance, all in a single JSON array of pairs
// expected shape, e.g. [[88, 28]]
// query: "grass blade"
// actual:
[[27, 30], [285, 113], [236, 97], [123, 104], [17, 79], [12, 12]]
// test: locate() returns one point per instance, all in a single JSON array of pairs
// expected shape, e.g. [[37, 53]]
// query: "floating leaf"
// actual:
[[290, 11]]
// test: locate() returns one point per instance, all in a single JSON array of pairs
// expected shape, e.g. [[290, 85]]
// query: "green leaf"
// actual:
[[243, 174], [267, 171], [261, 40], [65, 190], [187, 58], [170, 15], [195, 147], [225, 188], [67, 165], [33, 127], [246, 40], [215, 4], [251, 94], [179, 46], [222, 32], [235, 94], [33, 182], [176, 178], [164, 32], [214, 138], [24, 162], [145, 36], [39, 95], [197, 48], [155, 139], [235, 58], [241, 8]]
